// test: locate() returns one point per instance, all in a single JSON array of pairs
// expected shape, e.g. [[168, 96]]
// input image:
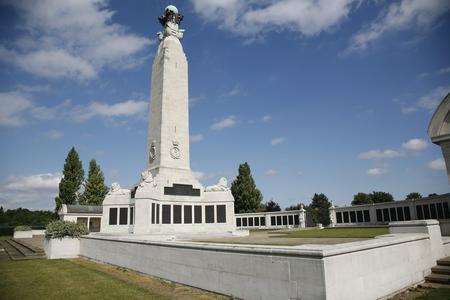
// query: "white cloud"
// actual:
[[376, 171], [227, 122], [277, 141], [429, 101], [437, 164], [198, 175], [54, 134], [31, 183], [71, 39], [12, 107], [444, 71], [235, 91], [196, 138], [121, 109], [399, 16], [37, 191], [271, 172], [17, 107], [253, 18], [415, 145], [379, 154], [266, 118]]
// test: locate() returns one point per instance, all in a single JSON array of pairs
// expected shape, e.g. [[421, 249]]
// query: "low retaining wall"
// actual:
[[62, 248], [361, 270], [26, 234]]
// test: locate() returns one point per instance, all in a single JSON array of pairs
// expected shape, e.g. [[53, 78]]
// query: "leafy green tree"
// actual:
[[413, 196], [95, 189], [247, 198], [296, 207], [272, 206], [320, 206], [71, 182], [361, 198], [380, 197]]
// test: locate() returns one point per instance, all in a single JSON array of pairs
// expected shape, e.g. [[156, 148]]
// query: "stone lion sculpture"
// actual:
[[146, 178], [221, 186], [117, 190]]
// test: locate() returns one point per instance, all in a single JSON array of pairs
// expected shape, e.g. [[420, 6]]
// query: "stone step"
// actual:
[[24, 250], [18, 252], [36, 250], [444, 261], [438, 278], [441, 269], [12, 252]]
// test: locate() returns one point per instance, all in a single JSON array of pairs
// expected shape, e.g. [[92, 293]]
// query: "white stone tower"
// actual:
[[168, 198], [168, 132]]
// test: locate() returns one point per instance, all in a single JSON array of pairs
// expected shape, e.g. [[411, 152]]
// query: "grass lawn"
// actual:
[[5, 237], [83, 279], [363, 232], [424, 293]]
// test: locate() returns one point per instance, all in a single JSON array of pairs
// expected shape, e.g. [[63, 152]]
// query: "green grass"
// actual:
[[435, 294], [5, 237], [363, 232], [82, 279]]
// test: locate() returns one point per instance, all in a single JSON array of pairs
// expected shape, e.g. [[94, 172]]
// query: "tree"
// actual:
[[380, 197], [413, 196], [361, 198], [272, 206], [247, 198], [320, 206], [95, 189], [71, 182], [296, 207], [432, 195]]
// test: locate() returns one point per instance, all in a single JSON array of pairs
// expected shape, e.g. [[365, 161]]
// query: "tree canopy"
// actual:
[[247, 198], [95, 189], [320, 206], [272, 206], [380, 197], [374, 197], [413, 196], [71, 182]]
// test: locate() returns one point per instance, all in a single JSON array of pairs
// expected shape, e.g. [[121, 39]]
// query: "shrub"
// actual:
[[60, 229], [22, 228]]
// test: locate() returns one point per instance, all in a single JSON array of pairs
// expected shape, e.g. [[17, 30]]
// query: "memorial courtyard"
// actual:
[[253, 150]]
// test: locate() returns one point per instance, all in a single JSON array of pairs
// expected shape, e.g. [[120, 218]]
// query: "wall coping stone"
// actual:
[[310, 251], [414, 223]]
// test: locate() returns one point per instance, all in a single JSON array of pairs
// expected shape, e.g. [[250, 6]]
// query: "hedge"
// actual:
[[60, 229]]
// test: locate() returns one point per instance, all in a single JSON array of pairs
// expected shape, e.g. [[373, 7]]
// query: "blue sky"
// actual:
[[318, 97]]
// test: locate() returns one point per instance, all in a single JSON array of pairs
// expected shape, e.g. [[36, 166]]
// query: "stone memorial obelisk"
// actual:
[[168, 198]]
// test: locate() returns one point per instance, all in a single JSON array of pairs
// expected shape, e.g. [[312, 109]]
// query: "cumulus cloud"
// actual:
[[277, 141], [226, 122], [399, 16], [196, 138], [121, 109], [12, 106], [379, 154], [32, 191], [271, 172], [437, 164], [376, 171], [71, 39], [444, 71], [54, 134], [16, 108], [428, 102], [266, 118], [253, 18], [415, 145]]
